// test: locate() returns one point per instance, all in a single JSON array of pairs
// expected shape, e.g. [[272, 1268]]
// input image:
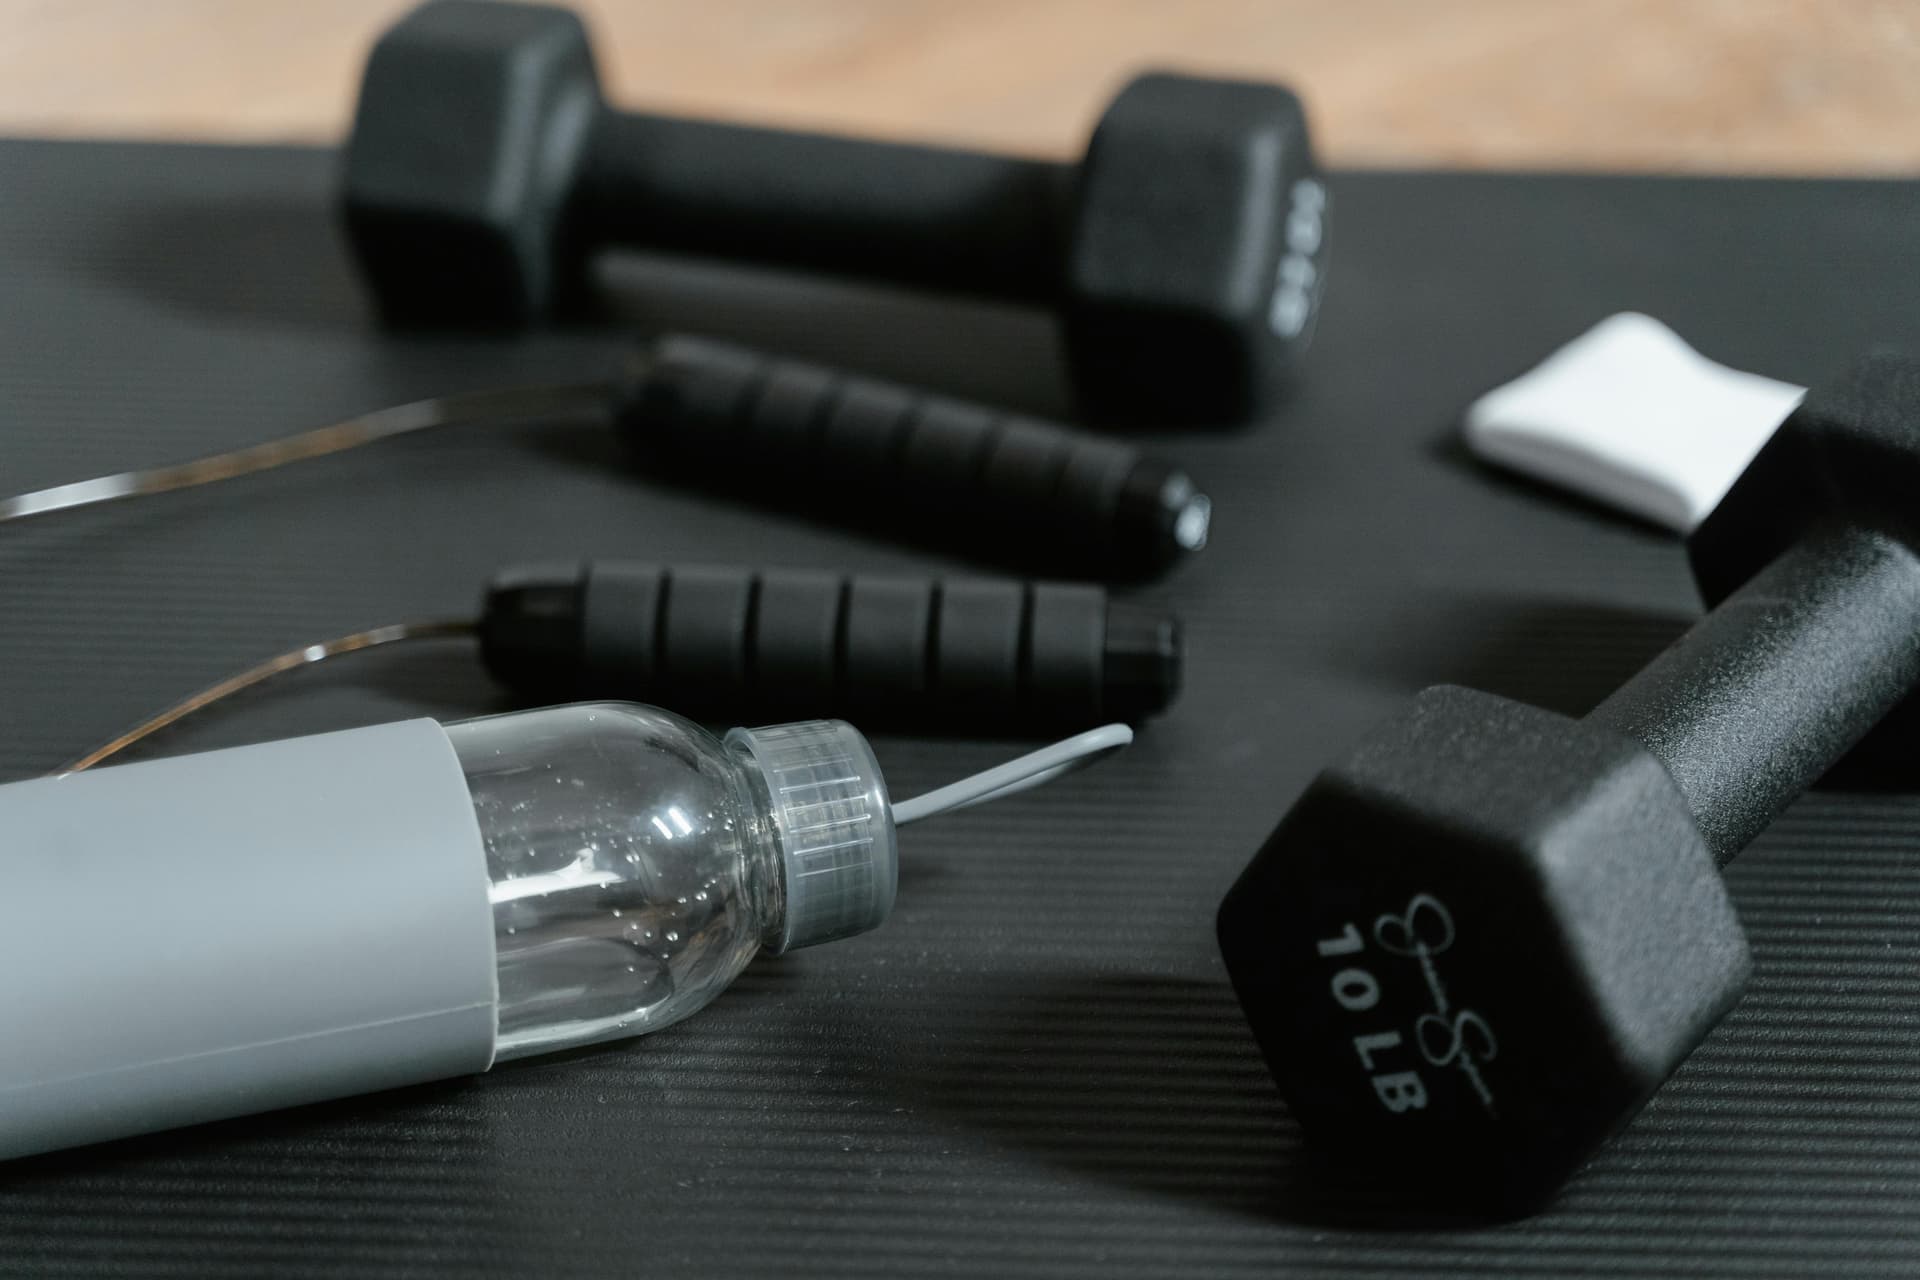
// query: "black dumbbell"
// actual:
[[953, 653], [1475, 947], [945, 472], [1184, 254]]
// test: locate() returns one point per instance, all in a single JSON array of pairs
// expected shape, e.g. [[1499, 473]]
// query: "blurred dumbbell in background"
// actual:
[[1184, 256]]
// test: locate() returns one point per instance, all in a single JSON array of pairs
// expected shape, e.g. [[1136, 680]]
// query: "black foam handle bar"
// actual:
[[1778, 680], [991, 654], [959, 221], [1043, 496]]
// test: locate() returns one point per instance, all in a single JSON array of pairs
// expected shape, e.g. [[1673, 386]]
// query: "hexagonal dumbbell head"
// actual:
[[1849, 454], [471, 122], [1473, 949], [1198, 243]]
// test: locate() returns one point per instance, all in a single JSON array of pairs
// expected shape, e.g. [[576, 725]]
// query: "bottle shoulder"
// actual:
[[627, 864]]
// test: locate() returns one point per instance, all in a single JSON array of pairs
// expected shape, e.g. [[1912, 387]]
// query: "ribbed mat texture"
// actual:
[[1036, 1068]]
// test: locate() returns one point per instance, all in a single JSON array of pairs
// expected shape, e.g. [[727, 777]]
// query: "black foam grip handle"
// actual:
[[1033, 493], [785, 643]]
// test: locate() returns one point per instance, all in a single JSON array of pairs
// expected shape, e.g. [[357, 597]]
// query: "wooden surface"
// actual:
[[1701, 85]]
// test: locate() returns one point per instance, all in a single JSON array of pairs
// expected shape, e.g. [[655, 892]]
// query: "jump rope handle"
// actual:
[[982, 654], [1036, 494]]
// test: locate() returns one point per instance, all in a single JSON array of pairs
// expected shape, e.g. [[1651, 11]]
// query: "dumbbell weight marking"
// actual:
[[1469, 1040], [1296, 290], [1357, 991]]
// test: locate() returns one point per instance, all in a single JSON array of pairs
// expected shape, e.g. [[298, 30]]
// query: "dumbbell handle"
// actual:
[[941, 219], [1768, 690], [1049, 498], [927, 653]]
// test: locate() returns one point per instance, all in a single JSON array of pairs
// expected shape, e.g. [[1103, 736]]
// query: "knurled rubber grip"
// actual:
[[1015, 489], [925, 652]]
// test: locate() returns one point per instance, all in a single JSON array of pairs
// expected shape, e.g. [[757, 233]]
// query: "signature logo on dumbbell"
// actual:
[[1447, 1037], [1444, 1036]]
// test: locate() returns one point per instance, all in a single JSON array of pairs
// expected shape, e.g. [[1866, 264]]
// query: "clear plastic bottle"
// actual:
[[344, 912], [637, 863], [292, 921]]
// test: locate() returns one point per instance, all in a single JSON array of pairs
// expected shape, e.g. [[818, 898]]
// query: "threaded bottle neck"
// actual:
[[833, 824]]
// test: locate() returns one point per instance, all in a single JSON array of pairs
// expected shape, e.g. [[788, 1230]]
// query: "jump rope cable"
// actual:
[[1030, 770], [466, 408]]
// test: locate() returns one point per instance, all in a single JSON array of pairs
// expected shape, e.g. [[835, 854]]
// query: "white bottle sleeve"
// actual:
[[214, 935]]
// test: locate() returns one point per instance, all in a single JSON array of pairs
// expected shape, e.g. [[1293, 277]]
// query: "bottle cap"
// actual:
[[834, 824]]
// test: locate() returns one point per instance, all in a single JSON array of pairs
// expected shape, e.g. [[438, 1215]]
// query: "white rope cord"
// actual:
[[1014, 776]]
